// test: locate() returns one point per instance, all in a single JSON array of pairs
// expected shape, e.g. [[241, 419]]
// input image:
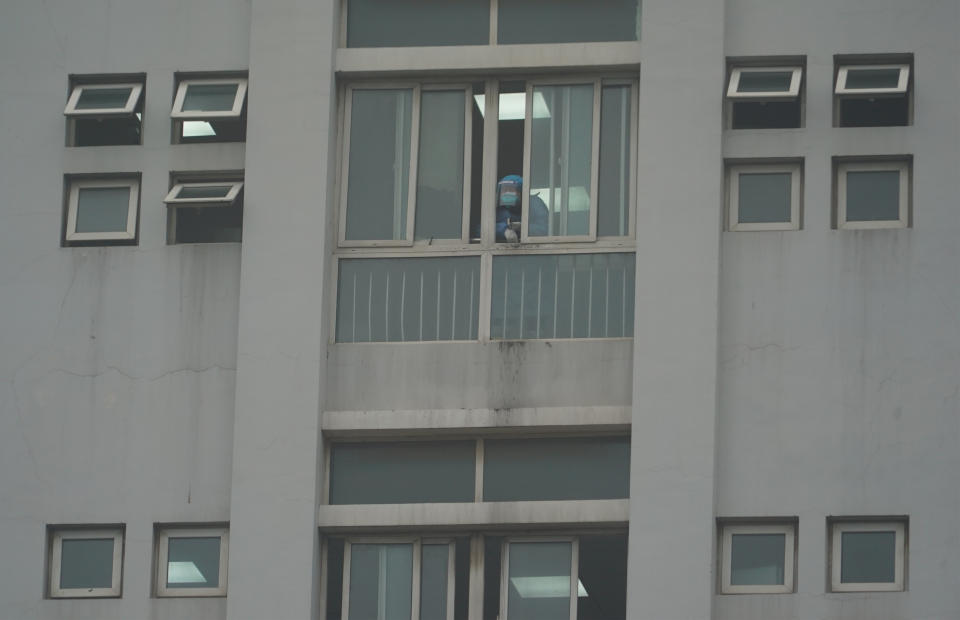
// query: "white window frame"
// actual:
[[228, 199], [417, 89], [900, 166], [163, 537], [136, 89], [791, 93], [75, 185], [902, 84], [505, 568], [728, 530], [239, 99], [56, 557], [733, 195], [839, 527]]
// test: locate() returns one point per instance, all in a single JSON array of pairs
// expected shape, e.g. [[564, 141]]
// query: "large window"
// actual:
[[426, 252]]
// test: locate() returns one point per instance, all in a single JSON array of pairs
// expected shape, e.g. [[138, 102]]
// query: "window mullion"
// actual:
[[415, 579], [414, 155], [574, 575], [467, 163], [595, 159], [525, 192]]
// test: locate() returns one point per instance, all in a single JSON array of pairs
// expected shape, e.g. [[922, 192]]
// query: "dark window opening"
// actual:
[[875, 112], [766, 114], [207, 224], [212, 130], [116, 131]]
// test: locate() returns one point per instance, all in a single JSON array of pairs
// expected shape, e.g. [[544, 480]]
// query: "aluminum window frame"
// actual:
[[240, 98], [164, 534], [728, 530], [901, 166], [56, 557], [843, 71], [136, 90], [505, 568], [228, 199], [838, 527], [737, 72], [734, 170], [73, 197]]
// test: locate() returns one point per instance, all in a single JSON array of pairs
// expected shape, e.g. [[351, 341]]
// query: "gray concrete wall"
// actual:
[[117, 363]]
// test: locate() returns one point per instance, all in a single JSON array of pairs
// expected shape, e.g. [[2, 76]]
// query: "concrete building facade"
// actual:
[[798, 382]]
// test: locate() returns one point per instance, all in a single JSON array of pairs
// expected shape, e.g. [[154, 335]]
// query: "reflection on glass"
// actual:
[[86, 563], [379, 174], [567, 21], [562, 296], [561, 149], [439, 213], [403, 23], [210, 97], [538, 580], [873, 195], [102, 209], [757, 559], [764, 81], [381, 581], [613, 191], [433, 581], [103, 98], [193, 562], [764, 197], [868, 557]]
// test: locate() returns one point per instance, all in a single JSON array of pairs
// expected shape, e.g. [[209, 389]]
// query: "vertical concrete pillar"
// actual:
[[280, 368], [675, 343]]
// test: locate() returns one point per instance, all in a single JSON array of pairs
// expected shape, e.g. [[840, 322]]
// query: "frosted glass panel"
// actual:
[[538, 581], [613, 193], [381, 581], [401, 23], [764, 197], [873, 78], [439, 213], [562, 296], [757, 559], [764, 81], [100, 98], [873, 195], [567, 21], [402, 472], [193, 562], [210, 97], [868, 557], [102, 209], [561, 148], [86, 563], [433, 582], [379, 164], [407, 299], [556, 469]]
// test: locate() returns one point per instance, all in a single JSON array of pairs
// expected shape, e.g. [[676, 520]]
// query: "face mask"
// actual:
[[509, 194]]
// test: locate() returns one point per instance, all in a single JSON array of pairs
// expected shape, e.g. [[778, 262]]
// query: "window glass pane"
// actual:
[[102, 209], [379, 164], [408, 299], [868, 557], [757, 559], [439, 213], [433, 582], [613, 193], [86, 563], [210, 97], [567, 21], [602, 578], [100, 98], [764, 197], [562, 296], [402, 472], [538, 584], [210, 191], [764, 81], [193, 562], [561, 148], [873, 78], [556, 469], [402, 23], [873, 195], [381, 581]]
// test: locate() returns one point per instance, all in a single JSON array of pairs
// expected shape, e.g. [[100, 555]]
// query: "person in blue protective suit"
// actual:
[[509, 211]]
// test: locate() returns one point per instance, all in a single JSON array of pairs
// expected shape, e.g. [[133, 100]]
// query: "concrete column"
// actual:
[[675, 343], [281, 350]]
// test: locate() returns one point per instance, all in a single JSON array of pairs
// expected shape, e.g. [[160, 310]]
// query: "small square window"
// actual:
[[103, 99], [757, 558], [210, 110], [764, 197], [765, 97], [873, 95], [104, 113], [873, 194], [205, 211], [867, 556], [192, 561], [86, 562], [102, 209]]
